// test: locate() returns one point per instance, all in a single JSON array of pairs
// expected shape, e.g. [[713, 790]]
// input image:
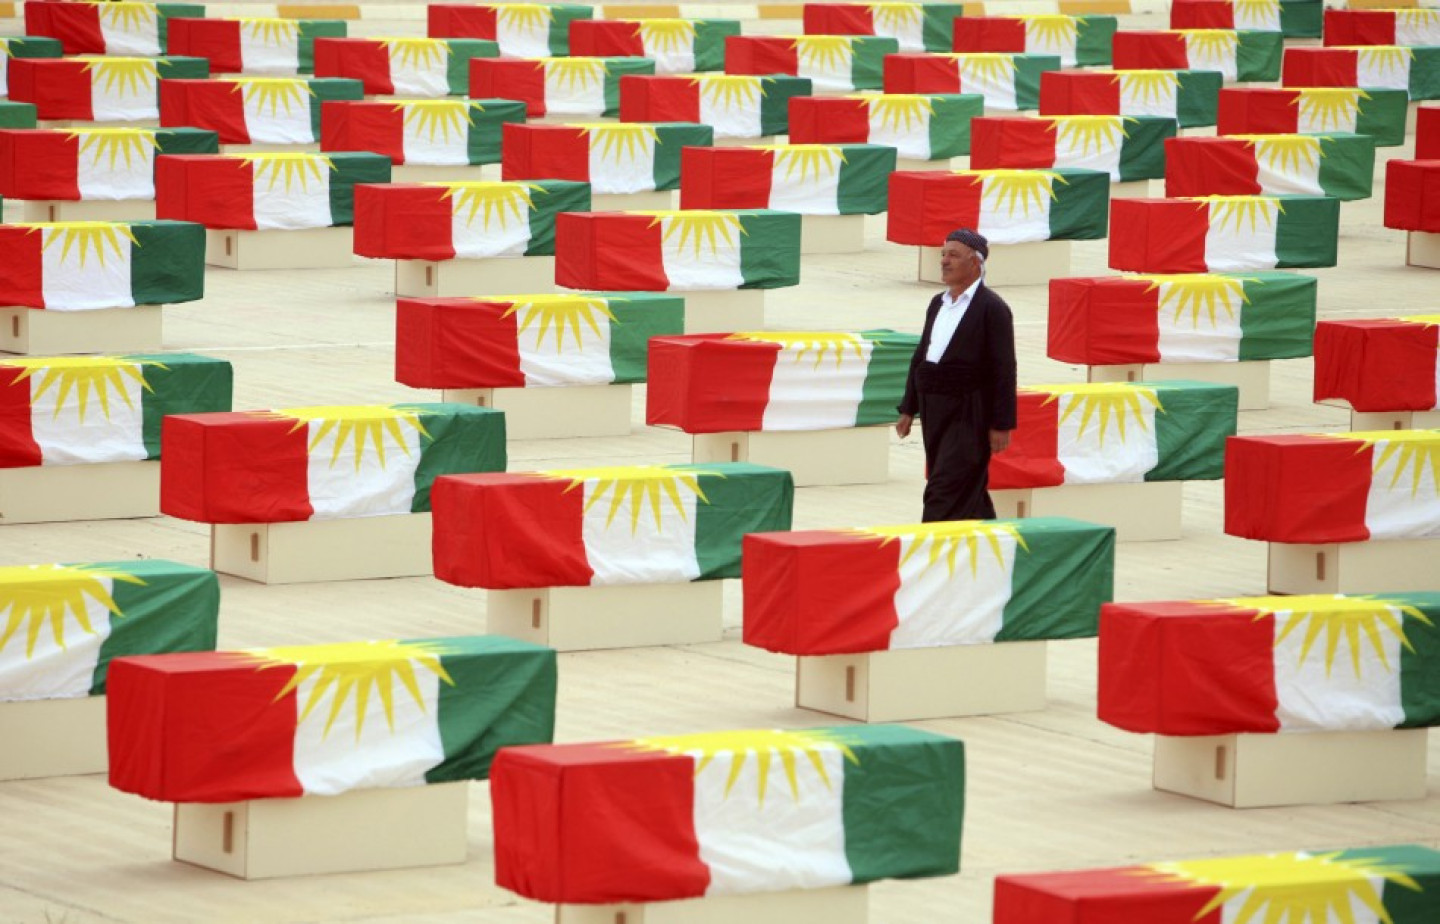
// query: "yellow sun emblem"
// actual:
[[1197, 293], [895, 18], [697, 228], [665, 35], [1383, 58], [640, 485], [1429, 320], [490, 199], [1106, 400], [294, 169], [1286, 153], [1050, 30], [984, 68], [273, 94], [1329, 108], [945, 539], [730, 91], [38, 595], [1417, 451], [573, 73], [269, 30], [81, 375], [123, 76], [125, 16], [820, 161], [1417, 18], [899, 112], [1256, 10], [1099, 133], [523, 17], [621, 142], [825, 54], [414, 54], [102, 237], [558, 312], [362, 423], [431, 117], [803, 342], [1210, 44], [1339, 617], [765, 743], [1148, 87], [1258, 211], [1015, 189]]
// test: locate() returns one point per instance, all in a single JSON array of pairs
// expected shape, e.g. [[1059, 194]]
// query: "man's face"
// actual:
[[958, 264]]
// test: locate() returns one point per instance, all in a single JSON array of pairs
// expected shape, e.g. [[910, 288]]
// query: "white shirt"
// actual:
[[952, 310]]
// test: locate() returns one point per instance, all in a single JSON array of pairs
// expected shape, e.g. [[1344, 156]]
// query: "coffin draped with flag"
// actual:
[[965, 582], [254, 110], [613, 157], [920, 126], [559, 86], [1006, 81], [522, 30], [530, 341], [1239, 55], [1117, 432], [1187, 96], [640, 524], [324, 719], [916, 26], [812, 179], [428, 68], [727, 812], [1223, 233], [1007, 206], [429, 132], [834, 63], [1395, 67], [1125, 147], [1382, 27], [1292, 18], [1377, 112], [80, 265], [1082, 41], [772, 380], [78, 410], [253, 45], [89, 164], [99, 89], [1399, 884], [1379, 364], [1333, 487], [113, 28], [1340, 165], [1412, 195], [735, 106], [265, 192], [442, 221], [677, 46], [23, 46], [677, 251], [314, 463]]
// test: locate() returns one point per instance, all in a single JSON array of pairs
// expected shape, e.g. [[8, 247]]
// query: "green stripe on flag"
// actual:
[[1191, 429], [552, 198], [1383, 115], [1420, 661], [1257, 56], [1197, 97], [1347, 166], [561, 15], [671, 139], [351, 168], [163, 13], [1080, 210], [489, 117], [864, 186], [181, 383], [950, 123], [709, 47], [744, 499], [331, 88], [1028, 69], [615, 68], [1421, 865], [1093, 39], [1301, 18], [181, 67], [769, 249], [937, 27], [885, 375], [1425, 73], [459, 53], [167, 262], [310, 30], [1142, 154], [638, 317], [34, 46], [186, 141], [867, 64], [17, 115], [904, 802], [775, 101], [1279, 321], [1307, 231], [462, 439], [1060, 582], [176, 609]]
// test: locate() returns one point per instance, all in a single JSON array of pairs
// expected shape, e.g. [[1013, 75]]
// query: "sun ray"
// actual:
[[1099, 133], [99, 236], [1257, 9], [1105, 400], [269, 30], [697, 227], [900, 112], [574, 74], [1338, 618], [802, 342], [416, 53], [944, 539], [673, 36], [1259, 211], [1211, 44], [110, 144], [558, 312], [984, 67], [490, 199], [1196, 293], [124, 15], [37, 596], [730, 91], [524, 17], [895, 18], [81, 375], [1016, 189], [1383, 58], [764, 744], [1148, 87], [294, 169], [1050, 29], [1417, 18], [620, 142], [123, 76], [1330, 108], [807, 160], [356, 424], [431, 117], [826, 54], [273, 94], [1286, 153], [637, 485], [1415, 451]]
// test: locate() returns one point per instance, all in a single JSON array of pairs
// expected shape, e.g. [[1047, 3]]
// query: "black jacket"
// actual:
[[981, 356]]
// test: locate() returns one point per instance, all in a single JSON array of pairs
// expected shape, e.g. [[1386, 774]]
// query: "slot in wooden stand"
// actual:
[[66, 493], [609, 616], [1376, 566], [854, 455], [52, 737], [1252, 377], [45, 332], [348, 549], [87, 210], [1031, 264], [838, 905], [1141, 511], [553, 413], [308, 248], [464, 276]]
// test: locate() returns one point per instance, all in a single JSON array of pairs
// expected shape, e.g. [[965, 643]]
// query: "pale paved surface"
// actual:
[[1046, 790]]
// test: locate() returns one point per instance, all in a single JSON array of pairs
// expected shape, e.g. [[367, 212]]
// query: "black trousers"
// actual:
[[957, 457]]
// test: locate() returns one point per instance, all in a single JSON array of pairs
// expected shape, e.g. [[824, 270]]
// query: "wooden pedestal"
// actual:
[[1030, 264], [838, 905], [718, 311], [1144, 511], [43, 332], [656, 200], [437, 173], [553, 413], [832, 234], [914, 165], [481, 276], [87, 210], [1422, 249], [324, 550], [1367, 421], [611, 616], [1252, 377], [273, 148], [309, 248], [52, 737], [1377, 566], [558, 118], [66, 493], [924, 683], [765, 140], [1311, 768], [365, 829], [98, 123], [857, 455], [1134, 189]]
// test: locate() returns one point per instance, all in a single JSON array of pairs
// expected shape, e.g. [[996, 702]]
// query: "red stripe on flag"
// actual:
[[1149, 51], [927, 205], [1427, 133], [1202, 14], [1079, 93], [606, 38], [21, 273], [645, 98], [18, 448], [544, 152], [216, 105], [59, 88], [76, 25], [39, 165], [684, 376], [353, 125], [1320, 67], [609, 251], [1359, 27], [828, 120], [1310, 489], [1258, 111], [366, 60], [216, 191], [837, 19], [456, 343], [761, 55], [403, 221], [1377, 365], [1211, 167], [215, 39], [998, 141], [503, 531], [989, 34], [1106, 320], [510, 78], [1412, 195], [234, 468], [725, 178], [1158, 235], [1125, 895], [1032, 458], [920, 73], [446, 20]]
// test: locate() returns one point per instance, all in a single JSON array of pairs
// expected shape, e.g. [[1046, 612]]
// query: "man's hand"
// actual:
[[902, 426], [999, 439]]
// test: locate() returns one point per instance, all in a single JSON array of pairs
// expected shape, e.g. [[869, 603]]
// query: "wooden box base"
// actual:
[[309, 248], [655, 200], [1030, 264], [744, 142], [42, 332], [553, 413], [719, 311], [611, 616], [924, 683], [839, 905], [98, 123], [324, 550], [1367, 421], [365, 829], [52, 737], [482, 276], [66, 493], [272, 148], [1313, 768], [1422, 249], [857, 455], [87, 210], [438, 173], [1136, 189], [915, 165], [832, 234], [1252, 377], [1145, 511], [1377, 566]]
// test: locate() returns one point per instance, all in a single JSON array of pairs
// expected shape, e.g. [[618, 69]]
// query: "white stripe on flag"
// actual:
[[113, 435], [1042, 41], [290, 201], [279, 121], [1383, 68], [112, 174], [1314, 696], [616, 166], [669, 56], [1149, 97], [577, 359], [500, 233], [940, 603], [82, 279], [275, 51], [1187, 333], [4, 68], [905, 24], [995, 84], [329, 764], [418, 74], [1317, 119], [909, 135], [522, 36], [131, 99], [1281, 175], [1397, 507], [1204, 54], [1093, 150], [1093, 457], [53, 671], [694, 264], [1417, 27], [127, 35], [574, 92], [1238, 240], [630, 548], [1256, 17], [810, 187], [1352, 908], [1017, 218], [435, 143], [731, 117], [344, 489], [785, 841], [827, 72], [814, 390]]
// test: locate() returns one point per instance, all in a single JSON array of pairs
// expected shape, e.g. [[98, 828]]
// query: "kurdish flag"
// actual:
[[1117, 432], [1125, 147], [959, 582], [1380, 364], [1118, 320], [920, 126], [530, 341], [834, 63], [1395, 67], [813, 380], [17, 115], [79, 410], [1427, 131], [66, 622], [523, 30], [254, 110], [1082, 41], [1372, 884], [88, 164], [1334, 487], [1224, 234], [1007, 206], [23, 46], [265, 192], [677, 250], [1380, 113], [308, 720], [734, 106], [116, 27], [1293, 18], [98, 89], [1006, 81], [558, 86], [321, 463], [428, 68], [1189, 97], [432, 132], [1382, 27], [79, 265], [812, 179], [1237, 54], [1340, 165], [613, 157], [677, 46], [253, 45], [916, 26], [727, 812], [1410, 200]]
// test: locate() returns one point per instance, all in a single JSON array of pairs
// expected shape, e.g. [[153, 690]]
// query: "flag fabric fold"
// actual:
[[1187, 96], [1006, 81], [522, 30], [99, 89], [677, 46], [1240, 55], [916, 26], [265, 192], [1007, 206], [82, 265], [1082, 41], [1291, 18], [254, 110], [558, 86], [1410, 27], [23, 46], [1223, 233], [1125, 147], [1393, 67], [833, 63], [1379, 364], [429, 132], [1378, 112], [89, 164], [1412, 195], [613, 157], [734, 106], [812, 179], [253, 45], [920, 126], [1340, 165], [119, 27], [965, 582], [427, 68]]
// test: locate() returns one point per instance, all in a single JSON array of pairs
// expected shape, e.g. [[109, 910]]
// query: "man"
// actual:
[[962, 384]]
